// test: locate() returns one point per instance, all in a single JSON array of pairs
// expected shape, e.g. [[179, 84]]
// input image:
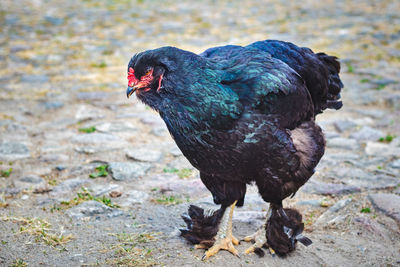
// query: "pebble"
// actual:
[[387, 203], [320, 188], [151, 119], [53, 105], [108, 127], [343, 143], [180, 163], [54, 20], [175, 151], [340, 205], [132, 197], [381, 149], [69, 185], [12, 151], [34, 78], [85, 150], [53, 157], [85, 113], [367, 133], [256, 218], [122, 171], [190, 188], [368, 224], [311, 202], [393, 101], [100, 189], [344, 125], [330, 217], [95, 138], [144, 154], [395, 164], [30, 182], [92, 208], [160, 131], [92, 95]]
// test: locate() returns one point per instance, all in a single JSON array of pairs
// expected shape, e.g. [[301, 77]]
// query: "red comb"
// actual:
[[131, 77]]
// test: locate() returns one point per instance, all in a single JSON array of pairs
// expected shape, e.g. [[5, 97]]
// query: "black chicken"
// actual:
[[239, 115]]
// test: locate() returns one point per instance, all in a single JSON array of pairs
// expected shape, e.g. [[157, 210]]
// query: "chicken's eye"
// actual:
[[148, 72]]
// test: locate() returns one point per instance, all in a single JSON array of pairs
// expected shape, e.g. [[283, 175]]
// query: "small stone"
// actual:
[[85, 113], [99, 189], [190, 188], [95, 138], [256, 218], [108, 127], [53, 105], [368, 224], [92, 95], [132, 197], [343, 143], [387, 203], [25, 197], [151, 119], [340, 205], [53, 157], [180, 163], [30, 182], [115, 194], [92, 208], [320, 188], [13, 151], [383, 81], [34, 79], [330, 217], [32, 179], [54, 21], [362, 179], [160, 131], [85, 150], [381, 149], [395, 164], [393, 101], [311, 202], [60, 168], [122, 171], [69, 185], [367, 133], [144, 154], [19, 47], [342, 156], [374, 113], [344, 125], [175, 151]]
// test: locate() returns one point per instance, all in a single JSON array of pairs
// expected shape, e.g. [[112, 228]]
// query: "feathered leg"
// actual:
[[224, 238], [282, 229], [259, 238]]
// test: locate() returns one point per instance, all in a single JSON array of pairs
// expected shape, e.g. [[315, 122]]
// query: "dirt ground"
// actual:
[[90, 178]]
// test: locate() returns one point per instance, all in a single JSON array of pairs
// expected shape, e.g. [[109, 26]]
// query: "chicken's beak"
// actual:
[[130, 90]]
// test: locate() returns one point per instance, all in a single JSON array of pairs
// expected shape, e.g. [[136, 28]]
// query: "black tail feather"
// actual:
[[201, 227], [335, 85], [304, 240], [283, 230]]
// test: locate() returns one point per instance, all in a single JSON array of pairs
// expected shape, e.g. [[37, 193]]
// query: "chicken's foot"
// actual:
[[224, 238], [259, 238]]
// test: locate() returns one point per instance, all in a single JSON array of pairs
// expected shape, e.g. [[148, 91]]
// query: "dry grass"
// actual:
[[130, 251], [40, 229]]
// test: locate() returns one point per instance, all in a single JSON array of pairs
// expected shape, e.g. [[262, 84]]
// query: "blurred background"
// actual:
[[71, 143]]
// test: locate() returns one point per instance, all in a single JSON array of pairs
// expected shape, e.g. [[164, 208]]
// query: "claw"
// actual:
[[224, 239], [225, 244], [273, 253], [259, 239]]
